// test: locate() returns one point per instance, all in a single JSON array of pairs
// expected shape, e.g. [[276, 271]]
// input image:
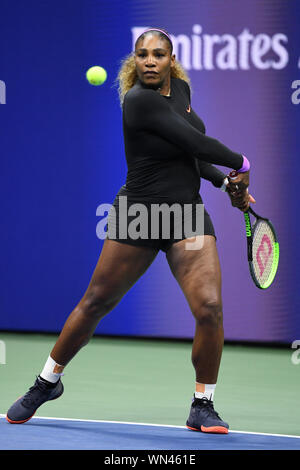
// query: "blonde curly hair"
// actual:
[[127, 75]]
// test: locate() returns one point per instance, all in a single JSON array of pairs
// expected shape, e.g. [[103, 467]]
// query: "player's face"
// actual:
[[153, 61]]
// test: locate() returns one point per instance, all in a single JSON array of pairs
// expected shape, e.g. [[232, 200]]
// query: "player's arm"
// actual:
[[211, 173], [148, 110], [207, 171]]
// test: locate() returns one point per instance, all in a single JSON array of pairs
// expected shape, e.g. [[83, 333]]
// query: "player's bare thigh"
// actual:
[[197, 271], [119, 266]]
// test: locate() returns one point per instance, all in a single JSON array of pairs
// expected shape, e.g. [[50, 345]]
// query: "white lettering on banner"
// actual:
[[226, 52], [280, 50]]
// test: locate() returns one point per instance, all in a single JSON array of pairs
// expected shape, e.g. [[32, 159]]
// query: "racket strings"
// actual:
[[263, 251]]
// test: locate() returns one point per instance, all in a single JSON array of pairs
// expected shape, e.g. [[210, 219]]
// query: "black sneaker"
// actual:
[[204, 418], [24, 408]]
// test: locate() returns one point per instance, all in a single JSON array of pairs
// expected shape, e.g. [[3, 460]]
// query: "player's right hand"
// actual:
[[240, 198], [238, 180]]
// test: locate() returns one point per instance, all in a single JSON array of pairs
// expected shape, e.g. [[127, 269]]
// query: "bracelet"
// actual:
[[224, 185], [245, 166]]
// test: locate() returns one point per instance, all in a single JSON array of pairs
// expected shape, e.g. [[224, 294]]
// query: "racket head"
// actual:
[[263, 250]]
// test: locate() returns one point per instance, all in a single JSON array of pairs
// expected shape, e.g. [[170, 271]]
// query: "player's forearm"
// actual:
[[213, 151], [211, 173]]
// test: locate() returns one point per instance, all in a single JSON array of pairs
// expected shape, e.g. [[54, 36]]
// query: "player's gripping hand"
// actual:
[[238, 181], [241, 199], [237, 189]]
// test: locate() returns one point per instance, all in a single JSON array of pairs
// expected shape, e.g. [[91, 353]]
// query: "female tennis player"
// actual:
[[167, 153]]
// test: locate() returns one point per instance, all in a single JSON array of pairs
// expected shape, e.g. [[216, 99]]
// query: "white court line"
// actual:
[[152, 424]]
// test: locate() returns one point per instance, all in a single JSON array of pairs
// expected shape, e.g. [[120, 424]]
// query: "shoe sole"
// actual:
[[27, 419], [211, 429], [20, 422]]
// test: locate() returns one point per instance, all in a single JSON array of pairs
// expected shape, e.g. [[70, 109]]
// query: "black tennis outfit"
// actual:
[[167, 154]]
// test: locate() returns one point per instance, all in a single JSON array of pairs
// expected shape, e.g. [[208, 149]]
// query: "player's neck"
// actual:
[[165, 89]]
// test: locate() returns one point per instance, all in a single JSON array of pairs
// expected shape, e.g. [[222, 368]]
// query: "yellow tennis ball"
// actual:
[[96, 75]]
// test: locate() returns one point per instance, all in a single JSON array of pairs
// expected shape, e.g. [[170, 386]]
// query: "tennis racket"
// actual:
[[262, 249]]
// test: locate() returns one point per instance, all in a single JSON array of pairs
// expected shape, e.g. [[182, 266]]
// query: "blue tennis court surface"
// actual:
[[67, 434]]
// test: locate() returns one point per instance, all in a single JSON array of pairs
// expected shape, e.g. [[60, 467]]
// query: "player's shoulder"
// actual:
[[183, 85], [138, 91], [179, 81], [139, 99], [139, 94]]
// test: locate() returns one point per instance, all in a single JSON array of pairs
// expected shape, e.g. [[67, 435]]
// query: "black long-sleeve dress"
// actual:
[[167, 154]]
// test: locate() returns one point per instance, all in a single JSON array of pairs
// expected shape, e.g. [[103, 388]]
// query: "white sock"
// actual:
[[48, 374], [209, 392]]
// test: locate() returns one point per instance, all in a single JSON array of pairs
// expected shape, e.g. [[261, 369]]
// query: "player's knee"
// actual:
[[208, 311], [98, 301]]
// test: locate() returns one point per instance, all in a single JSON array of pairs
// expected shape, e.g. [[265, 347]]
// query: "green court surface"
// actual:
[[148, 381]]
